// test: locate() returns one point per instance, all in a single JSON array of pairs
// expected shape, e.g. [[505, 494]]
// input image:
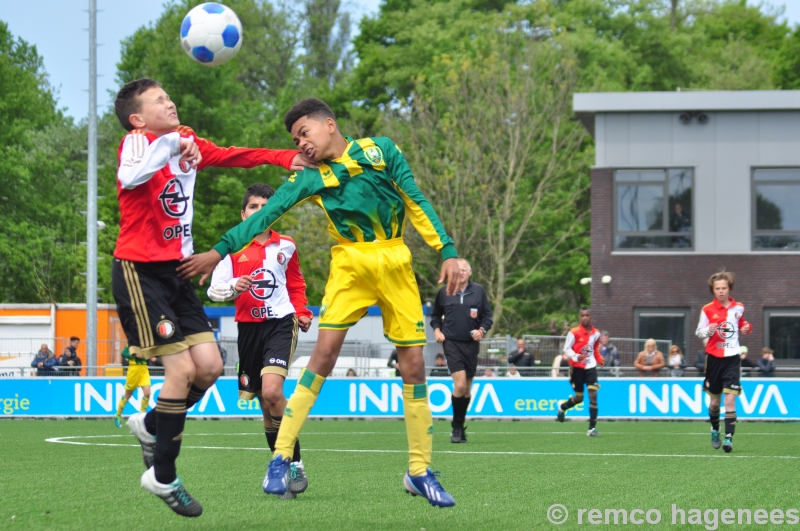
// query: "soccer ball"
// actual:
[[211, 34]]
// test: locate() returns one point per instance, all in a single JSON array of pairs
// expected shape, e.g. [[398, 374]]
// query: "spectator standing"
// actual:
[[394, 363], [44, 361], [441, 366], [69, 360], [460, 321], [675, 362], [679, 222], [746, 363], [609, 353], [700, 360], [649, 361], [521, 358], [766, 365]]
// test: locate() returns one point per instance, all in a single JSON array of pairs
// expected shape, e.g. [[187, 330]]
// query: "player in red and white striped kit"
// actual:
[[721, 322], [265, 280], [160, 313], [582, 349]]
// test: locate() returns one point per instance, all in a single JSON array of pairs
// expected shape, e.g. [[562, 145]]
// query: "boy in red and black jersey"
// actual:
[[582, 350], [265, 280], [160, 313]]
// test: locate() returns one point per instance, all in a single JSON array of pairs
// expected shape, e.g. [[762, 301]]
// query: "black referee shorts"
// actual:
[[722, 375], [266, 347], [462, 356], [159, 312]]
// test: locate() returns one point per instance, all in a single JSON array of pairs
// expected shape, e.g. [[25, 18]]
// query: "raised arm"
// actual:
[[143, 154], [237, 157]]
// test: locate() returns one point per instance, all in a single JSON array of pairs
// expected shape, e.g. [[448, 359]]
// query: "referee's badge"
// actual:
[[473, 313]]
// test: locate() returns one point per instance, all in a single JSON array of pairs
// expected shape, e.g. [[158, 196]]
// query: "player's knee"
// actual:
[[459, 388], [272, 395], [578, 398]]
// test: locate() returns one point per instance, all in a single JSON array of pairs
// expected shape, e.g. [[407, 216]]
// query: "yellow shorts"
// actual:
[[138, 376], [374, 273]]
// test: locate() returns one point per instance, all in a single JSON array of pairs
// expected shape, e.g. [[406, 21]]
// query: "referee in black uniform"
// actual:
[[460, 321]]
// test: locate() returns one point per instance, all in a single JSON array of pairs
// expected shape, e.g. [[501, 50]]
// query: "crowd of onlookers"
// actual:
[[649, 362]]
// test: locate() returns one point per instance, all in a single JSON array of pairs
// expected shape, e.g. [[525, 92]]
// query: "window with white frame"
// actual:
[[653, 209]]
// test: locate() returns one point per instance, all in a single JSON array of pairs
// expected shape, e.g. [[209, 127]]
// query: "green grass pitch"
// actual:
[[506, 477]]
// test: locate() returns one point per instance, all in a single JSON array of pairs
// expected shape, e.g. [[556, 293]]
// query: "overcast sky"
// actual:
[[56, 27]]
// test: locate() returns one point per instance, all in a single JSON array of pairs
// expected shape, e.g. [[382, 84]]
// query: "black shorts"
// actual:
[[264, 348], [580, 377], [722, 375], [462, 356], [160, 312]]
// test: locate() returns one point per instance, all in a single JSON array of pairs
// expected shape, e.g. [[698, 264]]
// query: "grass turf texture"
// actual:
[[47, 485]]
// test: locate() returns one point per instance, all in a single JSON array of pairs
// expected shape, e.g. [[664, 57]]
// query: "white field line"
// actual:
[[70, 440]]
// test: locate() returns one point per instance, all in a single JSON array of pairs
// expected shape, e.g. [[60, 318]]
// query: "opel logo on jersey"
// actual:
[[173, 199], [726, 330], [264, 284]]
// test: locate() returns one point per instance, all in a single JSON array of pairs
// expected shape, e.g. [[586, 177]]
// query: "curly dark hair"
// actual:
[[311, 107]]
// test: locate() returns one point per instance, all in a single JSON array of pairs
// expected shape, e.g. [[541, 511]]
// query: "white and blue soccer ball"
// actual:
[[211, 34]]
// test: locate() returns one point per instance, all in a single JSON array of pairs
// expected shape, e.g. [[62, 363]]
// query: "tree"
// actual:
[[493, 143]]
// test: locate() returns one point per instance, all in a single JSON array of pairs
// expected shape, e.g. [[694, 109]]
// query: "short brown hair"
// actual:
[[767, 350], [128, 102], [727, 276]]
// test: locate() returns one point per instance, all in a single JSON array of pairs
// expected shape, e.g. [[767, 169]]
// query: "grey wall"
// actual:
[[722, 153]]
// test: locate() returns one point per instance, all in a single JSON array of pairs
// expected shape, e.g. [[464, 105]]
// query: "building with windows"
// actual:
[[684, 185]]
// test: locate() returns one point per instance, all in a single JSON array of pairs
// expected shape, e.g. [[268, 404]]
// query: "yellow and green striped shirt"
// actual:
[[367, 194]]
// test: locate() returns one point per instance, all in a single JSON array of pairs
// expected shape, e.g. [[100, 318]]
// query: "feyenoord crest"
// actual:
[[473, 313], [173, 200], [185, 166], [165, 328], [281, 258], [374, 155], [244, 380], [264, 284], [726, 330]]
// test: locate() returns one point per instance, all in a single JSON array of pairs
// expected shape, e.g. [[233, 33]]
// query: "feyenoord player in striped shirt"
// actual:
[[582, 349], [721, 322], [160, 312], [265, 280]]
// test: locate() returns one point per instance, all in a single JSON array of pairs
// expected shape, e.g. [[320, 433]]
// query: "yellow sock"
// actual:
[[121, 405], [296, 412], [143, 406], [419, 427]]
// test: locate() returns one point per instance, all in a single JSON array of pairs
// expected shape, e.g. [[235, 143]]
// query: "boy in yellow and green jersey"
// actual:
[[367, 191], [138, 376]]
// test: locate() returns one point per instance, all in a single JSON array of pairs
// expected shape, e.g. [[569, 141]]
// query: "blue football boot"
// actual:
[[277, 479], [429, 488]]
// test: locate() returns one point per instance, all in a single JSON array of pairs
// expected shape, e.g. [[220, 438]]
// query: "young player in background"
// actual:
[[138, 376], [721, 322], [265, 280], [160, 312], [582, 349], [367, 191]]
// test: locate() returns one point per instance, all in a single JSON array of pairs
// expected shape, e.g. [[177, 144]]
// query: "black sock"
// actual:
[[296, 455], [592, 414], [150, 421], [195, 394], [169, 432], [568, 404], [460, 405], [713, 415], [730, 424], [272, 436]]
